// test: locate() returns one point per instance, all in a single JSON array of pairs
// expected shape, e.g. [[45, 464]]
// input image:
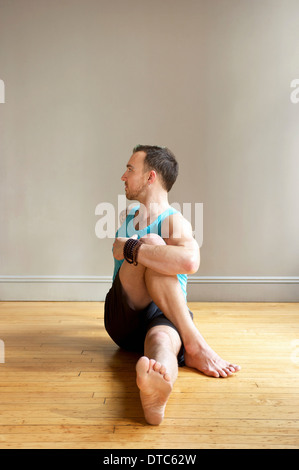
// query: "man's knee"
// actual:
[[158, 334], [153, 239], [165, 336]]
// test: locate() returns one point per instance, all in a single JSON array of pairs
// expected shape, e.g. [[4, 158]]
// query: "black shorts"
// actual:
[[128, 327]]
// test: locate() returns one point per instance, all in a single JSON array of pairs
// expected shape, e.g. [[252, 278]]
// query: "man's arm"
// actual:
[[180, 255]]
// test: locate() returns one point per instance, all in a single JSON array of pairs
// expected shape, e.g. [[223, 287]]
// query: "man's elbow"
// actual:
[[192, 263]]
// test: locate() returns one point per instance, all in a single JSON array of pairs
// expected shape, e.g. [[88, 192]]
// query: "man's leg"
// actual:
[[157, 371], [142, 285], [167, 294]]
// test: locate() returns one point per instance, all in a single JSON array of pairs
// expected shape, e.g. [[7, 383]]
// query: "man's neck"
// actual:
[[155, 202], [151, 208]]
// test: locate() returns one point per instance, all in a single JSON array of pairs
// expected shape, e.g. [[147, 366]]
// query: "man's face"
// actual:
[[135, 177]]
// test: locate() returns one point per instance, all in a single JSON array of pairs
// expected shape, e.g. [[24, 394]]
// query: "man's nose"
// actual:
[[123, 178]]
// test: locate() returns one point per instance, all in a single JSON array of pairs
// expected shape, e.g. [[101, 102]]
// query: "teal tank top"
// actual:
[[127, 230]]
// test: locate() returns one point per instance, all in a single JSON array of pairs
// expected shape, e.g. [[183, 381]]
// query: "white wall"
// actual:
[[85, 80]]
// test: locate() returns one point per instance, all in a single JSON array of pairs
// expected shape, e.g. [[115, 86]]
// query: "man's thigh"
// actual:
[[133, 285], [127, 327], [132, 278]]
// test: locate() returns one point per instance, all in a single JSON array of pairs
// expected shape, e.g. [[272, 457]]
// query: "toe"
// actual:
[[211, 373], [152, 364], [142, 367], [222, 373], [144, 362], [167, 377]]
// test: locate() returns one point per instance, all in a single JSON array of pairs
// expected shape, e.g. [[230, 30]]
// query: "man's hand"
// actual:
[[118, 247]]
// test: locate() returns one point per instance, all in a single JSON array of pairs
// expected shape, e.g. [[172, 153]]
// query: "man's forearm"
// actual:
[[169, 259]]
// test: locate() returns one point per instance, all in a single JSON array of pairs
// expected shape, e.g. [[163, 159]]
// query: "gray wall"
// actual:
[[85, 80]]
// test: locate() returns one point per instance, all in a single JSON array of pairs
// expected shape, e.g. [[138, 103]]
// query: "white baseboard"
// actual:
[[200, 288], [244, 279]]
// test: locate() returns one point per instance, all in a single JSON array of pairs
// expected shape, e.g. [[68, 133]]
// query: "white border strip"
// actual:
[[191, 279]]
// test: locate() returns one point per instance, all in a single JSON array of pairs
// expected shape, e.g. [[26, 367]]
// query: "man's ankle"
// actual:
[[194, 343]]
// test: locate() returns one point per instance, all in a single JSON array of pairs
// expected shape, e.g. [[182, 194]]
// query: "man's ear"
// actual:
[[152, 177]]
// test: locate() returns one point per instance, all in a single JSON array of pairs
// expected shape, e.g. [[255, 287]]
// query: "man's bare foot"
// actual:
[[155, 387], [202, 357]]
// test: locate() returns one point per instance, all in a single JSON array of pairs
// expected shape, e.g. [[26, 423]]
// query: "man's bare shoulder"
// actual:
[[176, 228]]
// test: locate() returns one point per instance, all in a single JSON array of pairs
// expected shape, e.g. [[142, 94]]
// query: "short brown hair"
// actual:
[[162, 160]]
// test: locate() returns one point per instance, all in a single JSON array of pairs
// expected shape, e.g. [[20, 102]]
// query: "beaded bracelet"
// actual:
[[128, 249], [135, 251], [131, 248]]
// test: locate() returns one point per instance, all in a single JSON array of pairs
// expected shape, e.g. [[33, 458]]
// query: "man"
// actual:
[[146, 308]]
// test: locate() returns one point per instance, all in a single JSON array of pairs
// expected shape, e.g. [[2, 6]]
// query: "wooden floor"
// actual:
[[64, 383]]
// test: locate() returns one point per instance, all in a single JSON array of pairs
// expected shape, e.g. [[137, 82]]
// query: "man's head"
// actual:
[[147, 167], [161, 160]]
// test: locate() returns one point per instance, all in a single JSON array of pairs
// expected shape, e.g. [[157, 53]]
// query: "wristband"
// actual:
[[128, 249], [135, 251], [131, 248]]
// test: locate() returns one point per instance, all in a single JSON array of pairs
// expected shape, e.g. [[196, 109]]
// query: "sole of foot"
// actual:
[[155, 387]]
